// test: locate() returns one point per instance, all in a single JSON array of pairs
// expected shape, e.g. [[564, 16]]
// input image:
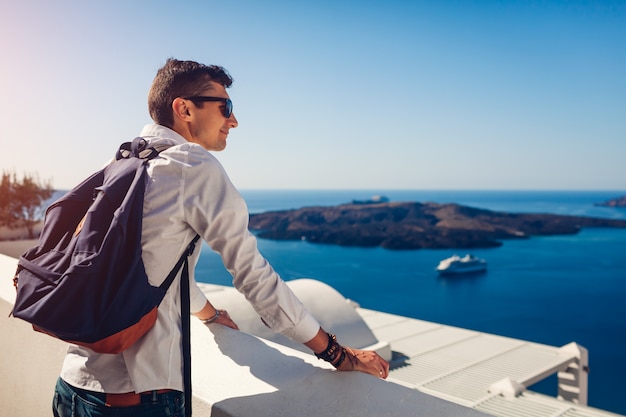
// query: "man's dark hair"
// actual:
[[181, 79]]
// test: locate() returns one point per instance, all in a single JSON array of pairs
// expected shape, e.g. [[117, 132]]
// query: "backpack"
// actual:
[[85, 281]]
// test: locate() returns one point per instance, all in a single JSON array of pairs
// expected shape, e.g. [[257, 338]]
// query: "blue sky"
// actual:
[[332, 94]]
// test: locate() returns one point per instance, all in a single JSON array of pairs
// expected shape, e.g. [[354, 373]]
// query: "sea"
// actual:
[[551, 290]]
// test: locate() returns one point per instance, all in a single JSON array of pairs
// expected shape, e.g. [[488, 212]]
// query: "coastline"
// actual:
[[14, 242]]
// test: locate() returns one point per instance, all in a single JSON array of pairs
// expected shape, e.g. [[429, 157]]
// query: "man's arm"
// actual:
[[345, 358]]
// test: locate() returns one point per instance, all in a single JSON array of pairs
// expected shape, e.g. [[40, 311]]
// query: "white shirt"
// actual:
[[188, 193]]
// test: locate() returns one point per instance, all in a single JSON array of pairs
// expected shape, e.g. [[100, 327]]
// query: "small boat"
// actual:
[[457, 265], [376, 199]]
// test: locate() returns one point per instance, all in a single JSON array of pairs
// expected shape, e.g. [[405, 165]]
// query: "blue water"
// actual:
[[551, 290]]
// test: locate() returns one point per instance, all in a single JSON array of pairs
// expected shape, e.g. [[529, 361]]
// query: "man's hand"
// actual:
[[327, 348], [210, 314], [225, 320], [366, 361]]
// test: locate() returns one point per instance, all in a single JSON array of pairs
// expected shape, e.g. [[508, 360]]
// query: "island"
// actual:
[[414, 225], [615, 202]]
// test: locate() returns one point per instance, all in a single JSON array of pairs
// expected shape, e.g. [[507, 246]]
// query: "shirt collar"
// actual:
[[160, 135]]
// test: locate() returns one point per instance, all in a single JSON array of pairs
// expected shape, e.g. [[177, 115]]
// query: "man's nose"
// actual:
[[232, 121]]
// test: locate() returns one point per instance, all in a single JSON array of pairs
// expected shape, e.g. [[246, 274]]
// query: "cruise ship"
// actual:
[[436, 370], [461, 265]]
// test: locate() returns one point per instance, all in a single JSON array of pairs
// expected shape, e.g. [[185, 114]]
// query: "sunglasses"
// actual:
[[228, 104]]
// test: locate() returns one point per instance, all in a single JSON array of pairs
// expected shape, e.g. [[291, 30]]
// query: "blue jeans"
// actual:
[[70, 401]]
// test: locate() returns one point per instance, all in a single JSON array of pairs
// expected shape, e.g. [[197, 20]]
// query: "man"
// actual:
[[189, 193]]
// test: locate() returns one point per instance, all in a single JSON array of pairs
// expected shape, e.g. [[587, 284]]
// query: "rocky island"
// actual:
[[615, 202], [412, 225]]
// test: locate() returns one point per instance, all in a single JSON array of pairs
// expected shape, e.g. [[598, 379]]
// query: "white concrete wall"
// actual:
[[29, 362], [234, 374]]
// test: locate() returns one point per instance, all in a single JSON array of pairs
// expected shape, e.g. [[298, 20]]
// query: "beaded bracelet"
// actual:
[[342, 358], [333, 351]]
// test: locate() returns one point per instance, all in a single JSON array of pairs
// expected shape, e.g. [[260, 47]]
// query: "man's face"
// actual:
[[208, 126]]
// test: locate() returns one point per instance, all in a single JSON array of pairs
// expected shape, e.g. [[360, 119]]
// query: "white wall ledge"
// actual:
[[242, 375]]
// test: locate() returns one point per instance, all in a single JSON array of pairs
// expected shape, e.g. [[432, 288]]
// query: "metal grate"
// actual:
[[461, 365]]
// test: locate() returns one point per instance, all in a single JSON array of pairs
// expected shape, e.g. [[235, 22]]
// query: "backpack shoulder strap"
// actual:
[[183, 258], [186, 325]]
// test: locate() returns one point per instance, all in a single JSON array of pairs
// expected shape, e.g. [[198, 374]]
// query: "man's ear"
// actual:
[[180, 109]]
